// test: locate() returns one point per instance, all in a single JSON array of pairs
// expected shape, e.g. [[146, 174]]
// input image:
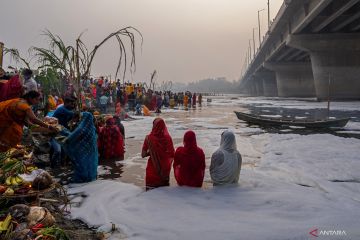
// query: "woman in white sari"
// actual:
[[226, 161]]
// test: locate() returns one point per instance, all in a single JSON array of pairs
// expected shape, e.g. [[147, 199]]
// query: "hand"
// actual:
[[53, 129]]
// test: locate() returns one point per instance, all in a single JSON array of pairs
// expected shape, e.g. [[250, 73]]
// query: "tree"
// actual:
[[74, 62], [15, 55]]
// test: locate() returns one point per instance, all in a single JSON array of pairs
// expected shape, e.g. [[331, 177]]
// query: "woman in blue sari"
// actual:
[[81, 147]]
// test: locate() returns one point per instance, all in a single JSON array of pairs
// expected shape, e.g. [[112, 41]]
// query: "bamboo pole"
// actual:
[[1, 54], [78, 77], [328, 103]]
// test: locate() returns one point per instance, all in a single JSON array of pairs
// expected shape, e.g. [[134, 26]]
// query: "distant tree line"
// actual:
[[210, 85]]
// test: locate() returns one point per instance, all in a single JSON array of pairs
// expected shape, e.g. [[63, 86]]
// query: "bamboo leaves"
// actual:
[[15, 55]]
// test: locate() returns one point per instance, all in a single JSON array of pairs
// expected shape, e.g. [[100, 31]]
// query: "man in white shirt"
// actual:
[[29, 83], [103, 103]]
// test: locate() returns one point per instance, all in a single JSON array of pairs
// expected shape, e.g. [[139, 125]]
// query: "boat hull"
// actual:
[[327, 123]]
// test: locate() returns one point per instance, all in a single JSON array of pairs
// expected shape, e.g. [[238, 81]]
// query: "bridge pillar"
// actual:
[[335, 58], [259, 86], [253, 91], [255, 87], [268, 79], [293, 79]]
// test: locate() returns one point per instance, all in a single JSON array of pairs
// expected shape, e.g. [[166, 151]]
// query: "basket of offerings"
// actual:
[[20, 178]]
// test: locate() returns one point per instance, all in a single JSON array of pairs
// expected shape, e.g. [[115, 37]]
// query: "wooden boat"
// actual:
[[267, 121]]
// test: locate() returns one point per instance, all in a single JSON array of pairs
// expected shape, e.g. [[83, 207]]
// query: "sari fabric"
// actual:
[[81, 147], [194, 100], [111, 141], [12, 121], [189, 162], [52, 103], [64, 115], [226, 161], [186, 100], [11, 89], [153, 102], [161, 148]]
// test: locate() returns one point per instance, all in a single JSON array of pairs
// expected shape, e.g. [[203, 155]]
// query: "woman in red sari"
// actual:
[[159, 146], [111, 141], [10, 89], [194, 100], [189, 162]]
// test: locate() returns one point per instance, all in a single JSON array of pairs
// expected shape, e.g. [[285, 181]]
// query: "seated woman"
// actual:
[[81, 147], [226, 161], [111, 141], [189, 162], [159, 146], [14, 114]]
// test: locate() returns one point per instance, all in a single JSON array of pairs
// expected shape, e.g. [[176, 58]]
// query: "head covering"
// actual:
[[226, 161], [189, 162], [160, 137], [159, 129], [228, 141], [110, 121], [190, 141]]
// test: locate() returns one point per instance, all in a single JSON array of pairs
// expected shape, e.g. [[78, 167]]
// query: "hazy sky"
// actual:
[[184, 40]]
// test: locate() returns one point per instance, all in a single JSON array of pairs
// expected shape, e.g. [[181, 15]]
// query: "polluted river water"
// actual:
[[212, 118]]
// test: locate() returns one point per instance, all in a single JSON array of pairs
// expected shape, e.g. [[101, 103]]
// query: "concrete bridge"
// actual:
[[310, 44]]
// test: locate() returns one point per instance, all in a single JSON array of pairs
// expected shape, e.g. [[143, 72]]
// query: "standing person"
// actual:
[[81, 146], [98, 94], [159, 146], [103, 103], [119, 95], [132, 100], [226, 161], [200, 99], [189, 162], [186, 99], [153, 102], [159, 103], [166, 100], [190, 98], [14, 114], [194, 100], [111, 141], [176, 100], [29, 83]]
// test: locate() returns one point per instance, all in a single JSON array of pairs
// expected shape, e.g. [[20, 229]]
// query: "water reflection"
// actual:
[[110, 168]]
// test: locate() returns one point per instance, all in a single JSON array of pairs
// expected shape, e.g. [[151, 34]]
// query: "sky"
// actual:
[[184, 40]]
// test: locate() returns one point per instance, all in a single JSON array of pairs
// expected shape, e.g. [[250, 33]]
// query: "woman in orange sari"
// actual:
[[159, 146], [14, 114]]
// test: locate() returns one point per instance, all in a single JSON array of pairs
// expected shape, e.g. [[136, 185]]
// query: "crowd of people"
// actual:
[[87, 136], [134, 97]]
